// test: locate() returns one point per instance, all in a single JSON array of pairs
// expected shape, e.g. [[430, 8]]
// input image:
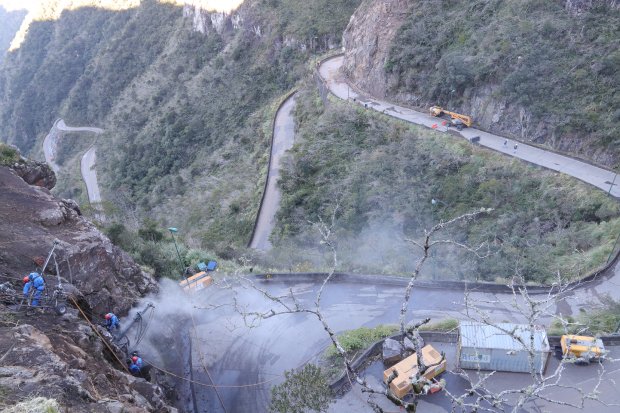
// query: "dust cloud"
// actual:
[[157, 329]]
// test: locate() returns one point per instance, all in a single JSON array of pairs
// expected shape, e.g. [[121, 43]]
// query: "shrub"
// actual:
[[304, 390], [361, 338], [8, 155]]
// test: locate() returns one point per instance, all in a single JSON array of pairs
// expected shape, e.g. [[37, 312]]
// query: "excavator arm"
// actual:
[[464, 119]]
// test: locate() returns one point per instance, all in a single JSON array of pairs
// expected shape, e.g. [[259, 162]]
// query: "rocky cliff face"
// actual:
[[367, 41], [61, 357], [32, 219]]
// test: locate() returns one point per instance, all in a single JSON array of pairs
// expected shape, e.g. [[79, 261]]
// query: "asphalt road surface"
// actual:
[[241, 356], [87, 163], [89, 174], [283, 138], [599, 177]]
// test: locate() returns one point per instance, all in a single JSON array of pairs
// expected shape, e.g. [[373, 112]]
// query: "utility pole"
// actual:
[[172, 231]]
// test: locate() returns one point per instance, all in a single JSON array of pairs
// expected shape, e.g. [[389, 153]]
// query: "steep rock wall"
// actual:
[[61, 357], [367, 41], [32, 219]]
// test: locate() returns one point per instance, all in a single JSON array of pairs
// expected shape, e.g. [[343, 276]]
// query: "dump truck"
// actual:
[[408, 367], [582, 348], [458, 120], [196, 282]]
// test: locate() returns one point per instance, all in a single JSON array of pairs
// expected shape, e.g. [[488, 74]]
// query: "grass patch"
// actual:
[[447, 325], [353, 341], [602, 321], [35, 405], [8, 155]]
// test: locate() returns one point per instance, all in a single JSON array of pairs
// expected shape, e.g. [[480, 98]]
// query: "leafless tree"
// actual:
[[533, 309]]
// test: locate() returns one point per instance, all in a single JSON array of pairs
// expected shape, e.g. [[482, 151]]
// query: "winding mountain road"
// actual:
[[87, 163], [239, 356], [282, 140], [601, 178]]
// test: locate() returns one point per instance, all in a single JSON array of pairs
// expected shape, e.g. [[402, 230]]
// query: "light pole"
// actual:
[[172, 231]]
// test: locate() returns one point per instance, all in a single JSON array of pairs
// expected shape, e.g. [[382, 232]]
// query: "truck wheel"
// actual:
[[60, 309]]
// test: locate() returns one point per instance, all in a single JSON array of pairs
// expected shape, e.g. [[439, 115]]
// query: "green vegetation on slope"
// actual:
[[8, 155], [383, 174], [561, 68], [187, 115], [604, 320]]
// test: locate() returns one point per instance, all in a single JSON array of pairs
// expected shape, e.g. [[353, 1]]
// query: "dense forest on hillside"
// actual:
[[187, 112], [382, 174], [555, 67]]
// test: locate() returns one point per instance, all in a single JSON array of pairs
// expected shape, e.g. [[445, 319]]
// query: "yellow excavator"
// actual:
[[458, 121], [582, 348]]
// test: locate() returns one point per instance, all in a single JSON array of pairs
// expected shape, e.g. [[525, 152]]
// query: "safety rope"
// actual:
[[100, 336], [201, 357], [199, 383]]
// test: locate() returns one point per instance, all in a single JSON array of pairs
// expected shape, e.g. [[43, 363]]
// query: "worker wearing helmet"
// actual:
[[111, 322], [137, 361], [36, 282], [134, 369]]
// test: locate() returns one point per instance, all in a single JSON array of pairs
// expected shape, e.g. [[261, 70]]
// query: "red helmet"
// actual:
[[26, 279], [134, 359], [108, 316]]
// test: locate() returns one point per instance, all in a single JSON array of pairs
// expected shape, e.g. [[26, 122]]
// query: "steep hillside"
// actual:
[[185, 96], [538, 71], [9, 23], [55, 357], [381, 175]]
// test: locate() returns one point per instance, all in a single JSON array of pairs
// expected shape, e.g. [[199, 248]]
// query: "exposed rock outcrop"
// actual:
[[61, 357], [32, 219], [367, 41], [35, 173], [66, 364]]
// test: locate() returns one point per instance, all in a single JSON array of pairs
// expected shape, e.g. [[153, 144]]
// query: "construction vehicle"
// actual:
[[582, 348], [458, 121], [196, 282], [398, 377]]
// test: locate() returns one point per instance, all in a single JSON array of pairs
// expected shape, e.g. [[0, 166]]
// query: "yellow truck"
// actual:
[[583, 348], [458, 120], [408, 367]]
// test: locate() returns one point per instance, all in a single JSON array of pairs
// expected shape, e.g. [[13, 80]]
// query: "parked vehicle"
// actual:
[[458, 120], [582, 348]]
